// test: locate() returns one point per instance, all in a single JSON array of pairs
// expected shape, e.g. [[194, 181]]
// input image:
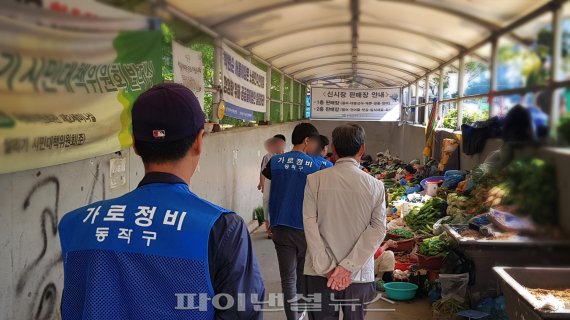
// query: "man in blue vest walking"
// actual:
[[285, 184], [321, 153], [160, 252]]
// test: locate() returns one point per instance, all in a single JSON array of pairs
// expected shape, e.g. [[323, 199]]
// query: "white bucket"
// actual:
[[431, 189]]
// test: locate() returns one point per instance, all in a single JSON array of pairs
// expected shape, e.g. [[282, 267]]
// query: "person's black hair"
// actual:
[[367, 158], [410, 168], [324, 142], [348, 139], [280, 136], [302, 131], [164, 152]]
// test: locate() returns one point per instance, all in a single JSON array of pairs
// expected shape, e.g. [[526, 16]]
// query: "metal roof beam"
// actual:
[[435, 38], [447, 10], [359, 63], [548, 7], [417, 66], [432, 37], [369, 72], [262, 10], [347, 75], [362, 83], [207, 30], [372, 43], [342, 78], [355, 16], [492, 27], [332, 83]]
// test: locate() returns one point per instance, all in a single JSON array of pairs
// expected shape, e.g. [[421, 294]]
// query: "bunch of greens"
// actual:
[[533, 189], [389, 184], [403, 233], [397, 192], [259, 214], [432, 211], [564, 130], [434, 246]]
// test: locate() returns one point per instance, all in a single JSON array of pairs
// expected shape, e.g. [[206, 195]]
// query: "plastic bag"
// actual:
[[452, 179], [454, 286], [396, 224], [438, 226]]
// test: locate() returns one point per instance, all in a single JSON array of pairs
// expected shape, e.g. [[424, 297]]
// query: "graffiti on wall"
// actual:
[[39, 284]]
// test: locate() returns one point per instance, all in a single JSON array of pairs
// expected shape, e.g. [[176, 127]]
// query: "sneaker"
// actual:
[[380, 285]]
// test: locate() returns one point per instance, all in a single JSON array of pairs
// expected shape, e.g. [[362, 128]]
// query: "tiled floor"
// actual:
[[416, 310]]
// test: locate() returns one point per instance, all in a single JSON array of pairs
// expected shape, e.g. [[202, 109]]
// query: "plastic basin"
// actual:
[[438, 179], [520, 303], [401, 291], [404, 245], [429, 262]]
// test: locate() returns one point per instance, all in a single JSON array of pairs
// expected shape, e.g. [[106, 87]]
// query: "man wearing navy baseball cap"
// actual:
[[160, 252]]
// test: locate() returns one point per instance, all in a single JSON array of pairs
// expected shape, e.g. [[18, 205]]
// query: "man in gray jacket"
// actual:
[[344, 214]]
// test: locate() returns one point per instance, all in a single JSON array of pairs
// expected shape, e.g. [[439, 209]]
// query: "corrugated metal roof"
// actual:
[[383, 42]]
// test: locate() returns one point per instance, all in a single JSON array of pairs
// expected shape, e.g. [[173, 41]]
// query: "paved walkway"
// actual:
[[417, 310]]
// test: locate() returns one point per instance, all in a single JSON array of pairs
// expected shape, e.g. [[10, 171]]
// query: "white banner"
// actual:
[[382, 104], [244, 86], [188, 69], [64, 101]]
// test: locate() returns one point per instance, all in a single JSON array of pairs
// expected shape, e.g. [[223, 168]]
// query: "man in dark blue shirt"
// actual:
[[160, 252], [285, 187], [321, 153]]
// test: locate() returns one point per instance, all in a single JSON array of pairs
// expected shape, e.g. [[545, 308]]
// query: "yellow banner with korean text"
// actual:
[[67, 95]]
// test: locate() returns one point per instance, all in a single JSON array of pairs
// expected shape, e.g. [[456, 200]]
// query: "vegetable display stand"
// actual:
[[429, 262], [520, 302], [405, 245], [486, 254]]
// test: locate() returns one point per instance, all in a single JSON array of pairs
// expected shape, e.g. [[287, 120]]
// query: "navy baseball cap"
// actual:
[[167, 112]]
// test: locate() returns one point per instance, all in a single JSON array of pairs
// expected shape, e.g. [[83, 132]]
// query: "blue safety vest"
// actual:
[[140, 256], [289, 173], [322, 162]]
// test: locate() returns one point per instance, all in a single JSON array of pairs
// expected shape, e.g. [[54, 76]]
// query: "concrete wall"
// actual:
[[468, 162], [405, 142], [32, 202]]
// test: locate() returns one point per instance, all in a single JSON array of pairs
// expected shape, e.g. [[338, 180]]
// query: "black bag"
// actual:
[[456, 263], [518, 126], [475, 135]]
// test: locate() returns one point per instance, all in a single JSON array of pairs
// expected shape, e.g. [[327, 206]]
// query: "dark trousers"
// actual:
[[352, 300], [291, 248]]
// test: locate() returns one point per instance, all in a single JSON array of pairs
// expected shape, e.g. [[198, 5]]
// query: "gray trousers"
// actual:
[[291, 248], [352, 301]]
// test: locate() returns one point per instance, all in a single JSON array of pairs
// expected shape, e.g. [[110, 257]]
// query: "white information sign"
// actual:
[[381, 104], [188, 69], [243, 86]]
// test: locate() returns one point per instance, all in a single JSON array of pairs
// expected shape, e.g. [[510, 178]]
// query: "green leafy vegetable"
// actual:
[[405, 234], [432, 211], [434, 246]]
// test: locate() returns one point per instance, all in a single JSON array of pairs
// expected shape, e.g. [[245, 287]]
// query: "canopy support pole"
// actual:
[[426, 99], [267, 116], [460, 82], [494, 75], [417, 102], [440, 93], [555, 68], [291, 83], [217, 98], [282, 96]]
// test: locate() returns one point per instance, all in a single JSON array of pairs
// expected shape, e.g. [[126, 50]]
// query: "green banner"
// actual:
[[67, 95]]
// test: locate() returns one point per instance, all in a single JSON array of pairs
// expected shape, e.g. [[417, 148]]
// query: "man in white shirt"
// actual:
[[344, 215]]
